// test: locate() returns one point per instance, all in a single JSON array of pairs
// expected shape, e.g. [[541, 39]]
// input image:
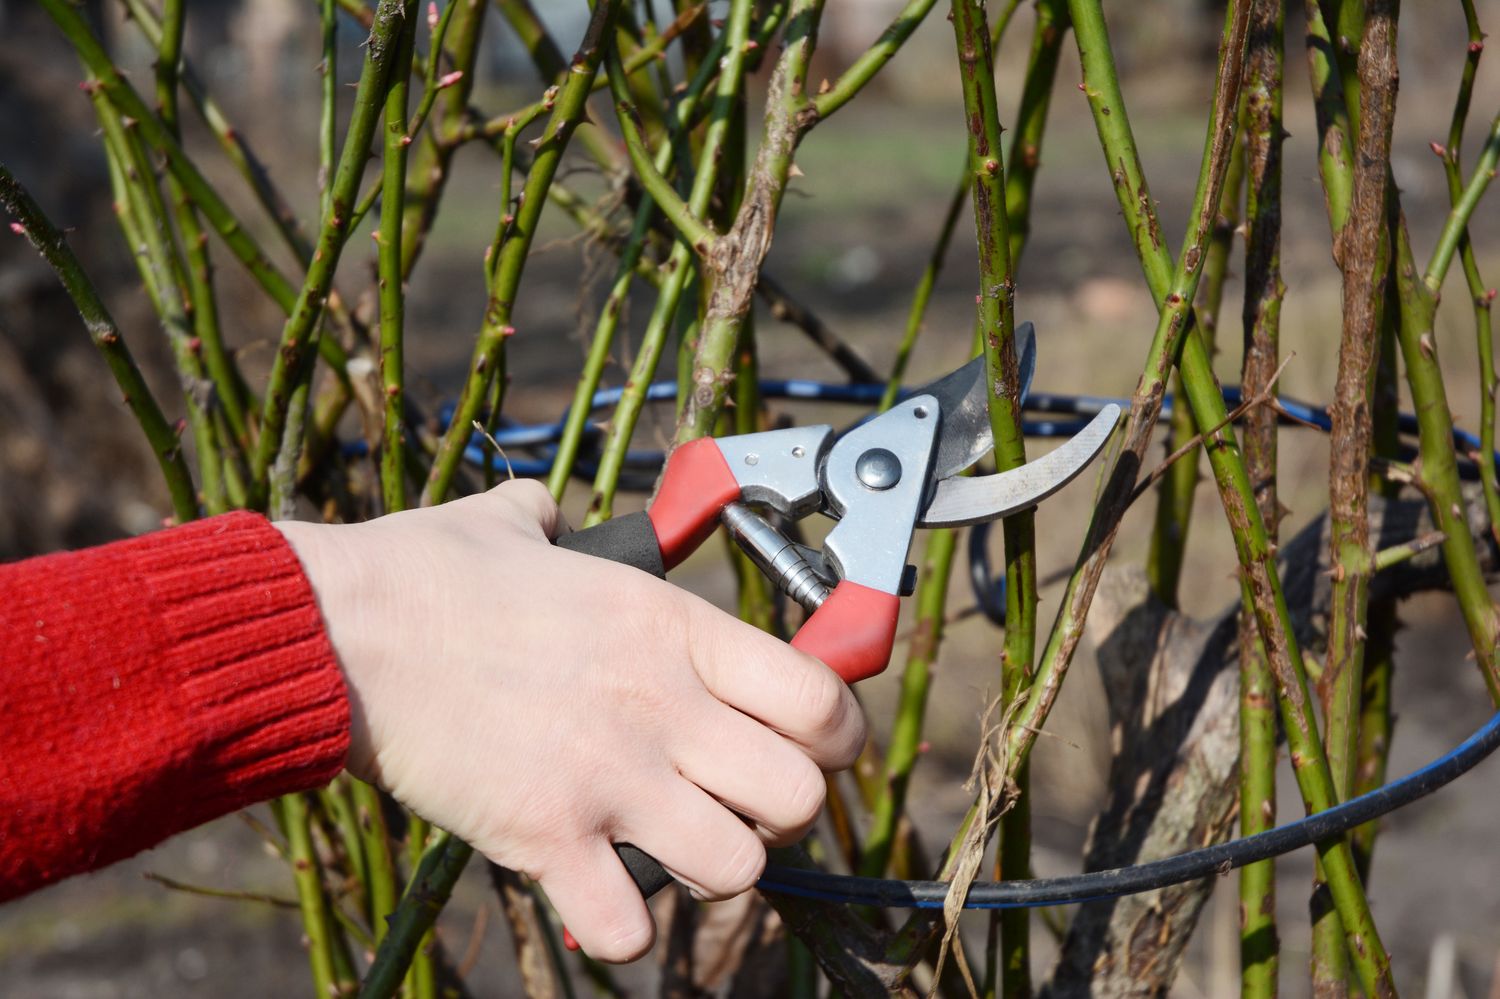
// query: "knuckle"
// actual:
[[821, 702], [850, 744], [804, 801], [740, 866]]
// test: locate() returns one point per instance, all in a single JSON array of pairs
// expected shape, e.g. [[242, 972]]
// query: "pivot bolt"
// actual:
[[878, 468]]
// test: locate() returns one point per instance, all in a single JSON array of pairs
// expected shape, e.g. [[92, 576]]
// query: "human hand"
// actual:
[[542, 704]]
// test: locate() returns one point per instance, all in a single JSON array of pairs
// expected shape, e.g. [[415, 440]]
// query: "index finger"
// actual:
[[784, 689]]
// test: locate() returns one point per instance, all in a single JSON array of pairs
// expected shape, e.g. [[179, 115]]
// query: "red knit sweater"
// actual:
[[150, 685]]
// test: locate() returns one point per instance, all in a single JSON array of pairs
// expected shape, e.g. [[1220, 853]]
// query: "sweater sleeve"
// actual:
[[150, 685]]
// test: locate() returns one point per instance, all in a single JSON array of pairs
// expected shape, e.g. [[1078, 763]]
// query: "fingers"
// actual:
[[532, 503], [699, 841], [599, 903], [755, 772], [784, 689]]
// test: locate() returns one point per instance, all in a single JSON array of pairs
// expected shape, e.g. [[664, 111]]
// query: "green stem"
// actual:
[[49, 242], [1362, 249], [1456, 225], [1438, 466], [296, 822], [143, 217], [328, 71], [643, 57], [1174, 508], [292, 368], [996, 330], [863, 70], [230, 140], [1489, 384], [906, 729], [1335, 137], [1252, 547], [678, 268], [203, 305], [129, 103], [1261, 321], [428, 891], [430, 167], [732, 268], [511, 258], [391, 287]]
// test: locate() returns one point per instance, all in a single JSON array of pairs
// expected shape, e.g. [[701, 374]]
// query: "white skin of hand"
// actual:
[[542, 704]]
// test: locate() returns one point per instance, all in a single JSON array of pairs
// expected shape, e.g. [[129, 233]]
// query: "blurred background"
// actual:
[[856, 230]]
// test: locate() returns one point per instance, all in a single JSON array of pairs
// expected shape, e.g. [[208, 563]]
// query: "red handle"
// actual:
[[853, 631], [695, 488]]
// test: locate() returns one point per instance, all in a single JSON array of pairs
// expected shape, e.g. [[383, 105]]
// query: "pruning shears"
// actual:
[[880, 481]]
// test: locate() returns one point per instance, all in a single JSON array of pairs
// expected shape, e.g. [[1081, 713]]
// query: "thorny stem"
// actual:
[[1488, 383], [296, 822], [1261, 321], [230, 140], [1252, 547], [1362, 249], [431, 883], [203, 307], [328, 71], [129, 103], [996, 329], [1174, 507], [642, 57], [49, 242], [510, 260], [143, 217], [735, 261], [849, 83], [1463, 208], [291, 370], [1025, 155], [391, 287], [678, 269], [1335, 161], [1437, 464], [610, 315], [429, 170]]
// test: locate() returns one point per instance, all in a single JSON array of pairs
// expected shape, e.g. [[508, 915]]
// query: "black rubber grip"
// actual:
[[630, 540]]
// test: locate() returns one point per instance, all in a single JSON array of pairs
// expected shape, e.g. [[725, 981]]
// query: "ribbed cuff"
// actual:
[[153, 684], [264, 698]]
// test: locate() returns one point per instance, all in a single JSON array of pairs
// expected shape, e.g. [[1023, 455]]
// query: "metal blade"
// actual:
[[965, 399], [960, 501]]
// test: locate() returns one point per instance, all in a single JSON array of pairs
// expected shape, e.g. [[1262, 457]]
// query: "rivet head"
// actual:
[[752, 459], [878, 468]]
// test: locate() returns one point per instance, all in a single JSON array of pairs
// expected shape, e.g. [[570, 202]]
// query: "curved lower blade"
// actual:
[[960, 501], [965, 399]]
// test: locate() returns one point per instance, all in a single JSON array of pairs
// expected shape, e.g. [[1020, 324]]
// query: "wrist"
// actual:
[[332, 562]]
